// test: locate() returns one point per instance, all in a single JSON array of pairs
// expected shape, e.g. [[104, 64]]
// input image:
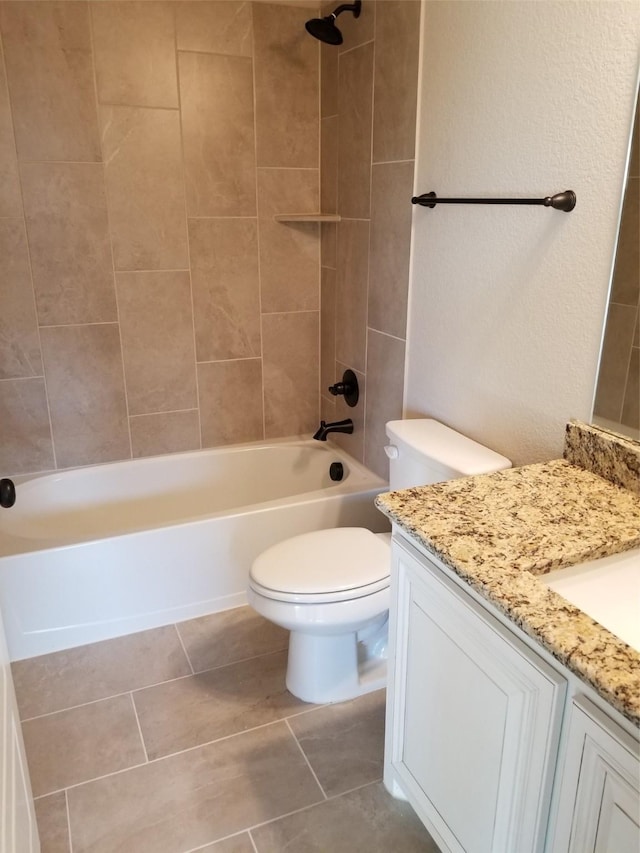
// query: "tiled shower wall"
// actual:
[[149, 302], [368, 117], [618, 392]]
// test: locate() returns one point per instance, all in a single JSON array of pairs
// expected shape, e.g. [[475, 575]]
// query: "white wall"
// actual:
[[507, 303]]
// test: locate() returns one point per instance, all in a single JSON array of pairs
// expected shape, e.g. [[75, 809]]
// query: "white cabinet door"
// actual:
[[599, 801], [475, 717], [18, 831]]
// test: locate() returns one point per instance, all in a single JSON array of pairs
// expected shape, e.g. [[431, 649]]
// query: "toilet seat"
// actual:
[[339, 564]]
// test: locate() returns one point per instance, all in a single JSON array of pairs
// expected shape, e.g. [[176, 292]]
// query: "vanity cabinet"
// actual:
[[598, 786], [474, 717]]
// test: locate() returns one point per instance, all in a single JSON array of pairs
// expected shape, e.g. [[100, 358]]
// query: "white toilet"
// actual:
[[330, 588]]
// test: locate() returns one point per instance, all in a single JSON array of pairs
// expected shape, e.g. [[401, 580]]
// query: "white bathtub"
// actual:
[[106, 550]]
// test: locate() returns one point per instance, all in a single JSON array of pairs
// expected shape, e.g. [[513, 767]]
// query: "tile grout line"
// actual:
[[304, 755], [184, 648], [114, 276], [135, 713], [149, 686], [183, 171], [66, 802], [251, 839]]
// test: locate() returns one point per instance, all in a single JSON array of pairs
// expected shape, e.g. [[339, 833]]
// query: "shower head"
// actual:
[[325, 30]]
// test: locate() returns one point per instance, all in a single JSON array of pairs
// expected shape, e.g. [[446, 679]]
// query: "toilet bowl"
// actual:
[[330, 589]]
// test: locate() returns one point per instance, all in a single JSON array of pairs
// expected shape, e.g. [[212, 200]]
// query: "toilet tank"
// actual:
[[424, 451]]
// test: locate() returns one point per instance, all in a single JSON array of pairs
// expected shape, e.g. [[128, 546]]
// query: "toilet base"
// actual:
[[330, 668]]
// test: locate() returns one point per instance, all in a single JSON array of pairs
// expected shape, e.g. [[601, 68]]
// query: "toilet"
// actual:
[[330, 588]]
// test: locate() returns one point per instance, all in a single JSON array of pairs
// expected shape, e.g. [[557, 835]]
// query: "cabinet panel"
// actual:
[[478, 722], [600, 787]]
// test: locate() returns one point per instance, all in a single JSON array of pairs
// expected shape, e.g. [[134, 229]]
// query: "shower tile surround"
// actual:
[[138, 185], [184, 738], [368, 114]]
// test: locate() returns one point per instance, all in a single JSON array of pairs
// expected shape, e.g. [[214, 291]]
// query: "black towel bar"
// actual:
[[565, 201]]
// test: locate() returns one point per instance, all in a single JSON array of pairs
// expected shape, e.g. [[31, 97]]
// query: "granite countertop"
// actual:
[[501, 532]]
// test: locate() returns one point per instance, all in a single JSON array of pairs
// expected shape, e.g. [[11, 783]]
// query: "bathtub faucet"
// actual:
[[337, 426]]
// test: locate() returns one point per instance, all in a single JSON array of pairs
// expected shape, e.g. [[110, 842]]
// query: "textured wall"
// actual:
[[507, 303], [617, 401], [368, 108], [149, 302]]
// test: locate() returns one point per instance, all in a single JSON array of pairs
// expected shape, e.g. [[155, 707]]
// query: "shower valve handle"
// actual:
[[348, 387], [7, 493]]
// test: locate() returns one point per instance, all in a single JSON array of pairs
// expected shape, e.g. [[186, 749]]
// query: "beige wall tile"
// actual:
[[10, 201], [354, 443], [329, 165], [60, 680], [216, 26], [156, 324], [357, 729], [66, 214], [167, 805], [50, 73], [356, 31], [391, 188], [328, 409], [73, 746], [396, 79], [216, 94], [230, 395], [291, 372], [192, 711], [625, 288], [83, 367], [165, 432], [385, 382], [53, 826], [614, 361], [287, 87], [327, 331], [328, 244], [328, 80], [631, 405], [289, 252], [354, 137], [19, 342], [230, 636], [145, 188], [351, 298], [26, 433], [226, 288], [134, 49]]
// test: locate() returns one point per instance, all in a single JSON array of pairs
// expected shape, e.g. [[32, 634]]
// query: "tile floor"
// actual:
[[185, 738]]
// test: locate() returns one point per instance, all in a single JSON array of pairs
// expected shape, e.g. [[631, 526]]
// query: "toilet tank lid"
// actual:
[[445, 446]]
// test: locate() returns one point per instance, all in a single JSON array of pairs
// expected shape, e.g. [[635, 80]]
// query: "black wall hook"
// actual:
[[565, 201]]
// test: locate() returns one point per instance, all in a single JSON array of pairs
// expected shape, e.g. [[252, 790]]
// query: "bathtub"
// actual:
[[98, 552]]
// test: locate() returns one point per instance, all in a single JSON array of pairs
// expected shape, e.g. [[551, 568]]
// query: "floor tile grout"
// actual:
[[135, 711], [184, 648], [304, 755], [150, 686]]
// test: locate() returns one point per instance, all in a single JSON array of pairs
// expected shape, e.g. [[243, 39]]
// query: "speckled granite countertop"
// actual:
[[500, 532]]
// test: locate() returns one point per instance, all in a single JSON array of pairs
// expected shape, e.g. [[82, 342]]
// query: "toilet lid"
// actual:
[[324, 561]]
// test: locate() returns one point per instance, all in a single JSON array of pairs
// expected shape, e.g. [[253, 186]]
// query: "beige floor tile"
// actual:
[[230, 636], [344, 743], [98, 670], [237, 844], [53, 826], [194, 798], [73, 746], [365, 821], [210, 705]]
